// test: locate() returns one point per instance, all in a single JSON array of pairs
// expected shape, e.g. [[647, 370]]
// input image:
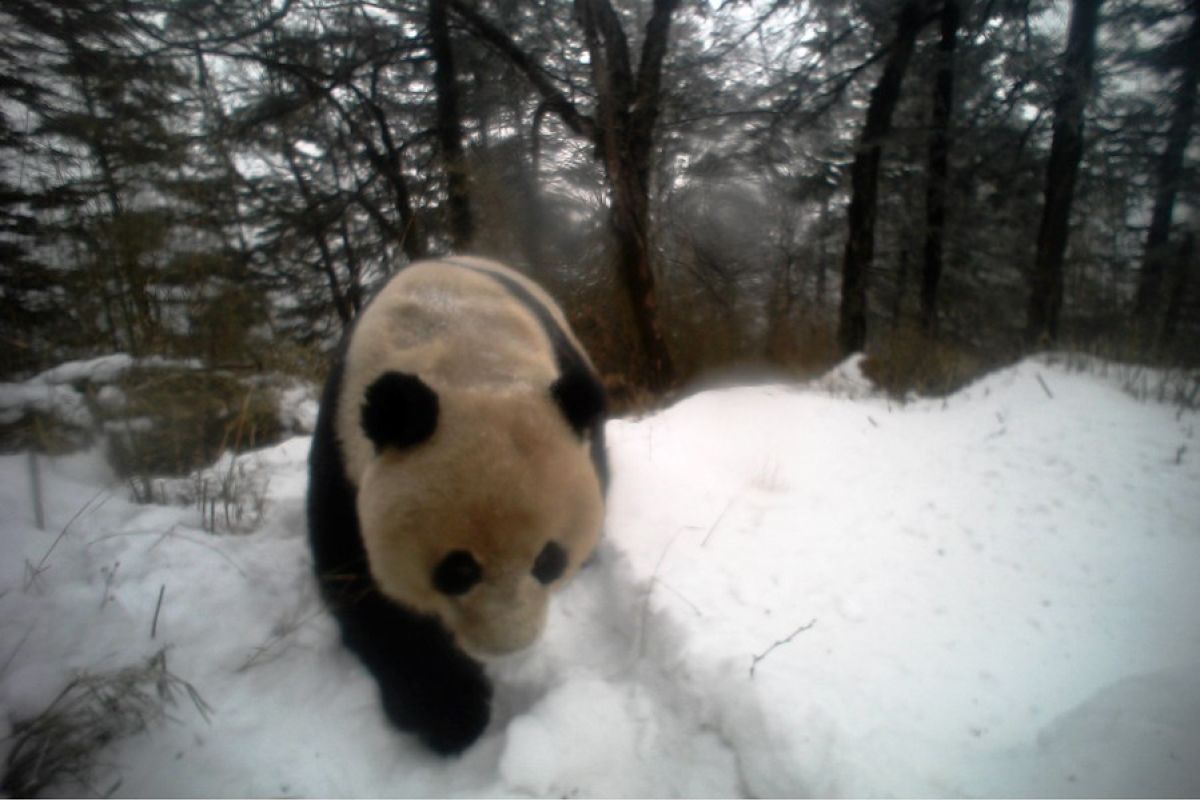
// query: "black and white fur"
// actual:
[[457, 476]]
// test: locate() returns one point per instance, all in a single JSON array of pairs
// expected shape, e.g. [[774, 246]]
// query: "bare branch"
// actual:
[[780, 643], [555, 100], [649, 78]]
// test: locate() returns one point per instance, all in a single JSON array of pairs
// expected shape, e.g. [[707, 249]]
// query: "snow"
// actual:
[[298, 406], [19, 399], [54, 392], [107, 369], [803, 589]]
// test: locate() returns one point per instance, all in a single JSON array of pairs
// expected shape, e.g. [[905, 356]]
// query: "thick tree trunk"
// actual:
[[1170, 166], [864, 180], [1066, 151], [939, 168], [449, 127], [631, 225], [1182, 267], [622, 130], [627, 109]]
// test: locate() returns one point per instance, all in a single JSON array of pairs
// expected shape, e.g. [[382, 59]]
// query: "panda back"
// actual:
[[460, 324]]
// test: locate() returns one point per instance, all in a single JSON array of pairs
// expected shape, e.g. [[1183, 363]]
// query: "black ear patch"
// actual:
[[399, 410], [581, 398]]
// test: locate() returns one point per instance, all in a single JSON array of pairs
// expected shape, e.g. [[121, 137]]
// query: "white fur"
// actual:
[[503, 472]]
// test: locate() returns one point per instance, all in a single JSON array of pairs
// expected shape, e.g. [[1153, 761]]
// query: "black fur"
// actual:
[[428, 685], [581, 399], [457, 573], [399, 410], [550, 563]]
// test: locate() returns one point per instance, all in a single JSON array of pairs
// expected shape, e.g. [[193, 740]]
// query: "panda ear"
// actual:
[[580, 397], [399, 410]]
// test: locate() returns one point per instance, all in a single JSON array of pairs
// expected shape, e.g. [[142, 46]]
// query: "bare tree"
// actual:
[[449, 126], [939, 159], [622, 127], [1066, 151], [864, 178], [1170, 168]]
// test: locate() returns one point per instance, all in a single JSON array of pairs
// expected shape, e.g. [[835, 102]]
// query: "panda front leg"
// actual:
[[429, 686]]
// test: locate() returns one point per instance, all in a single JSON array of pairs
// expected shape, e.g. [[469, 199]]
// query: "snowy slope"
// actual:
[[803, 590]]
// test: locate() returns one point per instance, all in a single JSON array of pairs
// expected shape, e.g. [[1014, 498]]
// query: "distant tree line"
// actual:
[[701, 183]]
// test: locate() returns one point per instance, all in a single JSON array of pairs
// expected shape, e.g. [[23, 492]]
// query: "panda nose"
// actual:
[[504, 624], [502, 639]]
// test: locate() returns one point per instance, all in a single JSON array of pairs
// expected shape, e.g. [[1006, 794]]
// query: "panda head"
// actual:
[[477, 504]]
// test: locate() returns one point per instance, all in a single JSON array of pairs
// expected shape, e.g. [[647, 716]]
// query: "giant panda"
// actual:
[[456, 479]]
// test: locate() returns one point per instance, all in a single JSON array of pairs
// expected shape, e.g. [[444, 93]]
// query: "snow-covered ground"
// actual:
[[803, 590]]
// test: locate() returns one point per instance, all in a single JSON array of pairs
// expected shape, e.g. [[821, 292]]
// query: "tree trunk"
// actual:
[[823, 255], [1170, 168], [627, 107], [864, 180], [1183, 265], [631, 225], [901, 288], [625, 116], [449, 127], [939, 161], [1066, 151]]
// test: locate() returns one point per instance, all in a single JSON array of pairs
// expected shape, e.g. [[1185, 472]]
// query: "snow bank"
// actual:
[[55, 392], [800, 592], [62, 402]]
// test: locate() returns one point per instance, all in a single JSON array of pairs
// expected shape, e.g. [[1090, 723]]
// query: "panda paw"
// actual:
[[464, 721], [448, 713]]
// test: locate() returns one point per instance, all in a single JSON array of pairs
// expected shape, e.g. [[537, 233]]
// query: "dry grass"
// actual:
[[1176, 385], [907, 361], [190, 418], [63, 744]]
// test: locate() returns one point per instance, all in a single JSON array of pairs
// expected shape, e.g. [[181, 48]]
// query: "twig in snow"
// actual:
[[695, 608], [33, 571], [717, 522], [13, 655], [35, 488], [645, 615], [874, 424], [1045, 388], [171, 533], [157, 608], [109, 576], [1179, 453], [269, 650], [780, 643]]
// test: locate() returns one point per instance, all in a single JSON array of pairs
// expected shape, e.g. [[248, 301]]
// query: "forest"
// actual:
[[896, 302], [945, 185]]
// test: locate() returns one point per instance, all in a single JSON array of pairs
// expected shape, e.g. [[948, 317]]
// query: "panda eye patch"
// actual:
[[457, 573], [550, 563]]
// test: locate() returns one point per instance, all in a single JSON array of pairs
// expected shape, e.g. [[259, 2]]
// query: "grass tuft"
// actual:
[[908, 361], [63, 744]]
